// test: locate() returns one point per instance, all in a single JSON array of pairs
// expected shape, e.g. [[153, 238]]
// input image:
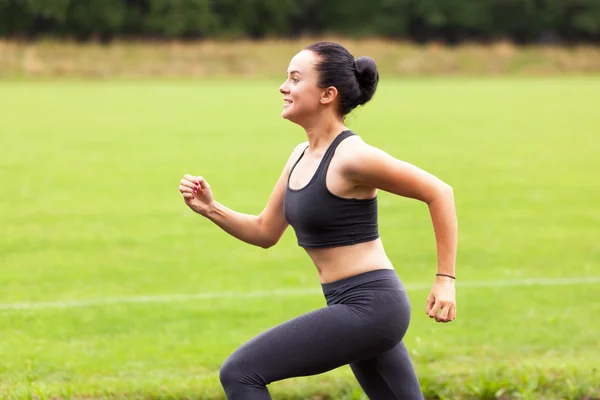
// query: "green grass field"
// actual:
[[112, 288]]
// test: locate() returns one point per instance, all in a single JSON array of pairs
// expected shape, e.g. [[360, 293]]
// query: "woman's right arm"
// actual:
[[262, 230]]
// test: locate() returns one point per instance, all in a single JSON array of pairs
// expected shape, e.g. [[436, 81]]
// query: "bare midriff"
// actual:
[[335, 263]]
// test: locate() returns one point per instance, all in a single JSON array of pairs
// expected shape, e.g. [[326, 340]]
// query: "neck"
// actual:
[[321, 134]]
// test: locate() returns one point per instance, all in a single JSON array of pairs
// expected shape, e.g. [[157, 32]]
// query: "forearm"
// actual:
[[244, 227], [443, 216]]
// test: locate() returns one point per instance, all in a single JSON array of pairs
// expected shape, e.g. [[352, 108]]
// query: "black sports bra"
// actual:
[[322, 219]]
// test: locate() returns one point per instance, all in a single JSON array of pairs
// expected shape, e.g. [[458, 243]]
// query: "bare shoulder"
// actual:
[[361, 162], [298, 149], [296, 153], [370, 166], [351, 144], [353, 151]]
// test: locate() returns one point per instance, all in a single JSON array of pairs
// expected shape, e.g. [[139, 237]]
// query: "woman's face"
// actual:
[[301, 95]]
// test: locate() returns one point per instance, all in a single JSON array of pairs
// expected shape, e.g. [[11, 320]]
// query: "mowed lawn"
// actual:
[[111, 288]]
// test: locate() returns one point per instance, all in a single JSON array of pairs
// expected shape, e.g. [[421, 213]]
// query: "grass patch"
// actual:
[[90, 211]]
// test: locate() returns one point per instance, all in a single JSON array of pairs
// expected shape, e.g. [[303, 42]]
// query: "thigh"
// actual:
[[389, 376], [310, 344]]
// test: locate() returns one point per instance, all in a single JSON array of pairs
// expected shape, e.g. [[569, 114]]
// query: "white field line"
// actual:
[[170, 298]]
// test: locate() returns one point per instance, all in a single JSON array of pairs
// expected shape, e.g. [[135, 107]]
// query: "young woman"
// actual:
[[327, 193]]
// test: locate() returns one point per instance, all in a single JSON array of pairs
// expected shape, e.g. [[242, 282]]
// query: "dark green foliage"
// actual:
[[453, 21]]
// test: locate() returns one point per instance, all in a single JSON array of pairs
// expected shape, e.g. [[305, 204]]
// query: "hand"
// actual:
[[441, 302], [196, 194]]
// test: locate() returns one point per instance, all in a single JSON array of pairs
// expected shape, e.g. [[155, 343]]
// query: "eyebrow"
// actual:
[[294, 72]]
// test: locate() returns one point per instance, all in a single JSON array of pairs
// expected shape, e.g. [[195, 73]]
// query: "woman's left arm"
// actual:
[[372, 167]]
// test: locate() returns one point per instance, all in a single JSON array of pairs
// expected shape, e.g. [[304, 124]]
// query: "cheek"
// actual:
[[308, 97]]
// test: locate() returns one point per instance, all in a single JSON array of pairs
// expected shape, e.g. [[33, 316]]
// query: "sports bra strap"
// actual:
[[324, 165]]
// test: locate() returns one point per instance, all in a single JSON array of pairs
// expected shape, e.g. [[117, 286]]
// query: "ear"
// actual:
[[328, 95]]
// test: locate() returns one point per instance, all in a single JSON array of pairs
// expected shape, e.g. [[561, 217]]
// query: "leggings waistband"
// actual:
[[359, 279]]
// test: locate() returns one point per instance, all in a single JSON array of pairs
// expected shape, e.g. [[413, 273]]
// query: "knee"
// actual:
[[236, 371], [230, 372]]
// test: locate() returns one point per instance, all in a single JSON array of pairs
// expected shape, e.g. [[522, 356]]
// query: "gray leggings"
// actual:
[[363, 325]]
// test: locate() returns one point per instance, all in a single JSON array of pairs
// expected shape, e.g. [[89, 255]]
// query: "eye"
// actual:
[[295, 80]]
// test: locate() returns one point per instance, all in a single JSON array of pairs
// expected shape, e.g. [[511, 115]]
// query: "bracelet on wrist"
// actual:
[[449, 276]]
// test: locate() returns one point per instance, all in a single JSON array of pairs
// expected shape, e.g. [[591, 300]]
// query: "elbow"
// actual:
[[268, 234], [447, 193], [442, 192], [268, 243], [447, 190]]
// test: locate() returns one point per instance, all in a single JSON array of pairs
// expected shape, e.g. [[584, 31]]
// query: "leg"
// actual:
[[310, 344], [389, 376]]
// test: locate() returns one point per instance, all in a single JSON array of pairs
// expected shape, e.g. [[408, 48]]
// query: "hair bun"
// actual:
[[367, 76]]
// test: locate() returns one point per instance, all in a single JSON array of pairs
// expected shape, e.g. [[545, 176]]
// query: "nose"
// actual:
[[283, 89]]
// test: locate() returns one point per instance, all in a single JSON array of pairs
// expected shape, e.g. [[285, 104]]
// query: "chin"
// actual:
[[287, 115], [293, 116]]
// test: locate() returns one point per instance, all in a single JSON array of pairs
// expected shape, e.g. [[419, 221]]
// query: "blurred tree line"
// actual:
[[453, 21]]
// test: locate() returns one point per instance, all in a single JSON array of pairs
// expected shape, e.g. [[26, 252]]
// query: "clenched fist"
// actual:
[[196, 193], [441, 302]]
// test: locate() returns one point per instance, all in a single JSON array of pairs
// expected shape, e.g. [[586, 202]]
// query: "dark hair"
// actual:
[[355, 80]]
